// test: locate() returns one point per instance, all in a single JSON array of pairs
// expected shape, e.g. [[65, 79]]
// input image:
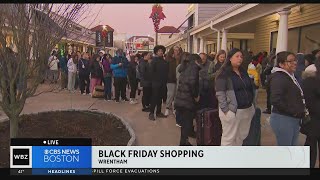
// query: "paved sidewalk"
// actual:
[[162, 132]]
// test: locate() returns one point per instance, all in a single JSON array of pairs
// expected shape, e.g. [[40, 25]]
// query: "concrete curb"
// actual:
[[131, 142]]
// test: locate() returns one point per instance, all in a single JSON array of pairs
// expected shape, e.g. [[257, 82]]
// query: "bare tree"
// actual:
[[35, 30]]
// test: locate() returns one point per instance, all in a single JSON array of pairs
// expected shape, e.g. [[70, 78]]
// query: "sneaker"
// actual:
[[151, 117], [125, 99], [166, 113], [146, 109], [178, 125], [83, 94], [161, 115], [267, 111], [133, 102], [117, 101]]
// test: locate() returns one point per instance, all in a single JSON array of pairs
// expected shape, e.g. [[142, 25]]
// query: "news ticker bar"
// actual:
[[159, 171]]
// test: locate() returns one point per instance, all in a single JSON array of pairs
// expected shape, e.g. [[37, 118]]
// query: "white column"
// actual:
[[84, 48], [205, 46], [218, 41], [282, 40], [201, 50], [224, 40], [195, 44]]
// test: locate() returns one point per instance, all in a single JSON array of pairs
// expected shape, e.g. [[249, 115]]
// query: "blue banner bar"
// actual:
[[61, 157]]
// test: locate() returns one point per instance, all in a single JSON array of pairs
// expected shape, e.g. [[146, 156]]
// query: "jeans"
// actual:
[[285, 128], [94, 82], [120, 84], [71, 80], [107, 87], [171, 93]]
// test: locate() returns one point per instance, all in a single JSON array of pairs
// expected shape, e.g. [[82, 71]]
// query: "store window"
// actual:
[[293, 40], [302, 39], [310, 39]]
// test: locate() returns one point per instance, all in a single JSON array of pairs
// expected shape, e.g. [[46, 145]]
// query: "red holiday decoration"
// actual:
[[104, 33], [157, 15]]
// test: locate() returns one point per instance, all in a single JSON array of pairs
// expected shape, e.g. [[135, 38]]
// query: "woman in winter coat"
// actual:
[[311, 90], [286, 99], [107, 76], [187, 95], [235, 92], [96, 70], [184, 56]]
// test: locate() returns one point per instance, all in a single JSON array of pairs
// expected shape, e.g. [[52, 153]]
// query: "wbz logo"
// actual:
[[20, 156]]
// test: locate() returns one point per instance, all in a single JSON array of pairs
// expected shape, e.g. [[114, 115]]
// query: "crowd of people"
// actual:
[[227, 81]]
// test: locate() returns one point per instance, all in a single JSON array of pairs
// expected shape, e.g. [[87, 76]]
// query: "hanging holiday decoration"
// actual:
[[157, 15]]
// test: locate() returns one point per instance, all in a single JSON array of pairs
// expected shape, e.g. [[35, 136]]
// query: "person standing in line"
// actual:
[[159, 75], [204, 87], [254, 75], [287, 100], [132, 76], [173, 58], [53, 67], [144, 69], [96, 72], [187, 96], [267, 72], [72, 70], [213, 68], [107, 76], [63, 61], [311, 89], [184, 56], [77, 82], [84, 72], [234, 91], [119, 67]]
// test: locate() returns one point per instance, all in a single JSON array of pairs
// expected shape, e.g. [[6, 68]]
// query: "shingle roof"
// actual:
[[168, 29]]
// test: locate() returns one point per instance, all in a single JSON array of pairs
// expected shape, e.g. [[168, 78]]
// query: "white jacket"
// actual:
[[72, 67]]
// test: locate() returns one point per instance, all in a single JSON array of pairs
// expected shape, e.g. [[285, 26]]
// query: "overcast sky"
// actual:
[[133, 19]]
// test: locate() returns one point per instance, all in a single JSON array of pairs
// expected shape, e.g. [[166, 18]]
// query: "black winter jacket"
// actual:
[[145, 73], [159, 72], [311, 90], [96, 70], [188, 87], [286, 97]]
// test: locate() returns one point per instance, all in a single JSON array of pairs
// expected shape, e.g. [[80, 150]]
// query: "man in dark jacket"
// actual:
[[145, 78], [159, 75], [119, 66], [205, 93]]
